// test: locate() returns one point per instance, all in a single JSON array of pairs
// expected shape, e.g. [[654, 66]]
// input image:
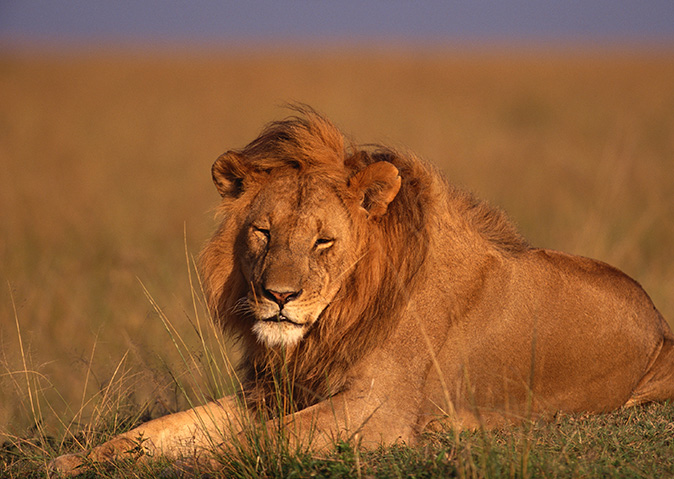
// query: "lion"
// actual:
[[380, 302]]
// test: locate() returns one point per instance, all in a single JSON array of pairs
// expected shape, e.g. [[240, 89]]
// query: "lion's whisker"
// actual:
[[241, 306]]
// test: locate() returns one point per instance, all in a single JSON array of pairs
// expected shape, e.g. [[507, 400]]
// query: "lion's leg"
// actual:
[[348, 417], [658, 382], [184, 434]]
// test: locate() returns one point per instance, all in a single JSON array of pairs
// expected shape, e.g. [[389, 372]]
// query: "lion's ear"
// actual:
[[229, 171], [376, 185]]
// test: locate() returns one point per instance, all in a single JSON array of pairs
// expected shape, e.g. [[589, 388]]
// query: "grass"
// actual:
[[105, 182], [631, 443]]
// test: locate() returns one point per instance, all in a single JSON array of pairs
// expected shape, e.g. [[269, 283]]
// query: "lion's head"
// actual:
[[299, 238], [312, 256]]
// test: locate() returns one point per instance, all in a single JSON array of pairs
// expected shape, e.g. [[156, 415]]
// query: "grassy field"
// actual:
[[105, 186]]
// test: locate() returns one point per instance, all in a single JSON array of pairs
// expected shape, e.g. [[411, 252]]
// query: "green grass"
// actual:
[[631, 443], [105, 183]]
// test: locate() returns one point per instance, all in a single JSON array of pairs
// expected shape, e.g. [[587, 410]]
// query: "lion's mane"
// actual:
[[369, 303]]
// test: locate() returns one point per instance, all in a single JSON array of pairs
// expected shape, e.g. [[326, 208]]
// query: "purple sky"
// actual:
[[210, 22]]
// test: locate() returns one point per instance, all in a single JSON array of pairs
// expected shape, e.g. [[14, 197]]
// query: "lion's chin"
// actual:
[[278, 333]]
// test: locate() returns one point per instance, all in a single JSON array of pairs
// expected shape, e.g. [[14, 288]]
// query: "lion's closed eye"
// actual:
[[323, 243]]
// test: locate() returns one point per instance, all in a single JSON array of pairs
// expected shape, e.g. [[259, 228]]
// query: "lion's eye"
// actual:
[[263, 233], [324, 243]]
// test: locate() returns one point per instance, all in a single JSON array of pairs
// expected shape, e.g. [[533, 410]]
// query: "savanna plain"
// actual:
[[106, 199]]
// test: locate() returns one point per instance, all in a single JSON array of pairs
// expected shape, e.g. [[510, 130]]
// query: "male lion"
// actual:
[[377, 299]]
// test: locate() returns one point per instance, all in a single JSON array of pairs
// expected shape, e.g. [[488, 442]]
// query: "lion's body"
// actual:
[[550, 332], [390, 300]]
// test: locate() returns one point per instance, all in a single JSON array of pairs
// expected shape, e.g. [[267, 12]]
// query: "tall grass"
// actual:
[[105, 169]]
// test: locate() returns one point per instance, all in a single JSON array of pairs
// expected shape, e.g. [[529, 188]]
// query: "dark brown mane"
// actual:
[[369, 303]]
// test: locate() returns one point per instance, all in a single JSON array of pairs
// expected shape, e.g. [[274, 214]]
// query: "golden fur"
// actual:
[[389, 300]]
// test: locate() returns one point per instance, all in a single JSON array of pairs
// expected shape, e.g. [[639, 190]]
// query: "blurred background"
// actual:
[[111, 114]]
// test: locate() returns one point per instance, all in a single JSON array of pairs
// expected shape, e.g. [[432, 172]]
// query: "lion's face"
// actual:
[[298, 235], [298, 245]]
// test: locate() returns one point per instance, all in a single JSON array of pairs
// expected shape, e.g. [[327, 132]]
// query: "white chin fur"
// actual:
[[275, 334]]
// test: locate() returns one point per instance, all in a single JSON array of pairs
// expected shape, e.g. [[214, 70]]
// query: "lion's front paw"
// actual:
[[68, 464], [117, 448]]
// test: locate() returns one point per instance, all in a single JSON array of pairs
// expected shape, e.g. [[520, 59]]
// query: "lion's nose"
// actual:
[[282, 297]]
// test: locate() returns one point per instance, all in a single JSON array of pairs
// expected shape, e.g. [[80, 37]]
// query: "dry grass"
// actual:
[[105, 167]]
